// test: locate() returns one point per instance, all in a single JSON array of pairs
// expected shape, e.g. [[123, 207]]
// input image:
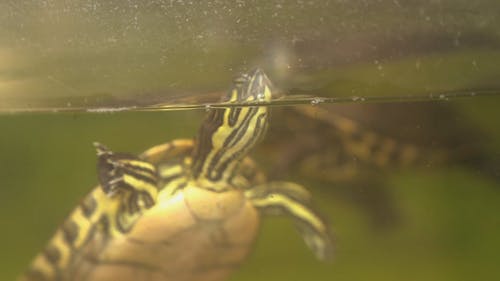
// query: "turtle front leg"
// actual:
[[293, 200], [129, 179]]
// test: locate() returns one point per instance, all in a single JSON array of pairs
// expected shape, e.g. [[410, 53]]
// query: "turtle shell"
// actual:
[[195, 235]]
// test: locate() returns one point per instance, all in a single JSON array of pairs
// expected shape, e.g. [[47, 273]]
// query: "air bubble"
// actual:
[[317, 100]]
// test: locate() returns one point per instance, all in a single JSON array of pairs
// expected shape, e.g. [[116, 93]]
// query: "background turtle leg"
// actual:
[[293, 200]]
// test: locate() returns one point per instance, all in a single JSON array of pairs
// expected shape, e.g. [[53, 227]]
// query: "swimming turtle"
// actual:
[[185, 210], [372, 142]]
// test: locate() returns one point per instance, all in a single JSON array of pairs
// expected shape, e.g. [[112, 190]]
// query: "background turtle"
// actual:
[[184, 210], [352, 151]]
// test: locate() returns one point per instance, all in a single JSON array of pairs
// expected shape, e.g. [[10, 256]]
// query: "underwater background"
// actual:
[[423, 75]]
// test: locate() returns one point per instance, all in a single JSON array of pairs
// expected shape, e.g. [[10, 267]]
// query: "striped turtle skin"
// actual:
[[185, 210]]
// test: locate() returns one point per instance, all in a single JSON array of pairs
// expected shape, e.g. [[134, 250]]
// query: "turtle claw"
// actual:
[[101, 149]]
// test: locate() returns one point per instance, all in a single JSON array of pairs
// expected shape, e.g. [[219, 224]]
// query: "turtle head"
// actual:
[[227, 134], [251, 87]]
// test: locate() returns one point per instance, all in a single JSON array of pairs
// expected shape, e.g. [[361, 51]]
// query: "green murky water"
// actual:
[[421, 74]]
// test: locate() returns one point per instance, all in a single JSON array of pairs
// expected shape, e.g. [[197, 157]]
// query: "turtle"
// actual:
[[185, 210], [373, 142]]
